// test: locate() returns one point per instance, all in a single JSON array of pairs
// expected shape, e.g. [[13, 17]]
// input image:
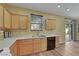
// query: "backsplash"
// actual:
[[19, 33]]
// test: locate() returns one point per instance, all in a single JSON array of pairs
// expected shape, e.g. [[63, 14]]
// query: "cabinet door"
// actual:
[[23, 22], [1, 16], [50, 24], [15, 21], [43, 44], [25, 49], [7, 19], [14, 49], [36, 45]]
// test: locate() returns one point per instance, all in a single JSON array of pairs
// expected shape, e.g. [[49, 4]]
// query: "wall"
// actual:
[[77, 33], [60, 25]]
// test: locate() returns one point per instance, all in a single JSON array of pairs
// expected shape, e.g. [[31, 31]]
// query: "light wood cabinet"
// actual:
[[50, 24], [31, 46], [23, 22], [36, 46], [19, 21], [28, 46], [15, 21], [7, 19], [1, 16], [43, 44], [14, 49], [12, 21], [25, 47]]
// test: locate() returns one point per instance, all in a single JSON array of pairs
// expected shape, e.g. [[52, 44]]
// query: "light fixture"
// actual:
[[68, 9], [58, 6]]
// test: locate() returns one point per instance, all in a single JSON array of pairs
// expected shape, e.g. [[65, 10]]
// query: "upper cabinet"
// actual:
[[19, 21], [50, 24], [23, 22], [15, 22], [12, 21], [1, 17], [7, 19]]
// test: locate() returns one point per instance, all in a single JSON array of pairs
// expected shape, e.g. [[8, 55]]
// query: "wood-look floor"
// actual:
[[69, 49]]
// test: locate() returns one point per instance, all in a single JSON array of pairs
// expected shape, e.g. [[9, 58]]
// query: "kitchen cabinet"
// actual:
[[7, 19], [19, 21], [14, 49], [43, 44], [36, 45], [50, 24], [23, 22], [1, 16], [22, 47], [25, 47], [28, 46], [15, 22], [12, 21]]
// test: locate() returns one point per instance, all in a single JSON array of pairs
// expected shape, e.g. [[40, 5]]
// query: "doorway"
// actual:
[[70, 30]]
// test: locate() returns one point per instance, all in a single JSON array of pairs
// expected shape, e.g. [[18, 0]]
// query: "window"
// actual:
[[36, 22]]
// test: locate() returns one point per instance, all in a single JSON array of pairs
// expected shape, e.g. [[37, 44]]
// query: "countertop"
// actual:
[[6, 43]]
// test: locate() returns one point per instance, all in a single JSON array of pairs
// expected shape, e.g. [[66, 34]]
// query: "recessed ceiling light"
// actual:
[[68, 9], [58, 6]]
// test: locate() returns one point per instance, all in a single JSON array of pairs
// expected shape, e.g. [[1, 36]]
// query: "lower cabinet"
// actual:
[[24, 47], [28, 46], [36, 45], [43, 44], [13, 49]]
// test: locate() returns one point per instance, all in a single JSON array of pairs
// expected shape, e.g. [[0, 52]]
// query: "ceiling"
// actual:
[[63, 9]]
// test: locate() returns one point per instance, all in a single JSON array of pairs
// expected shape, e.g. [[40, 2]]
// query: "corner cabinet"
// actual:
[[50, 24], [1, 17]]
